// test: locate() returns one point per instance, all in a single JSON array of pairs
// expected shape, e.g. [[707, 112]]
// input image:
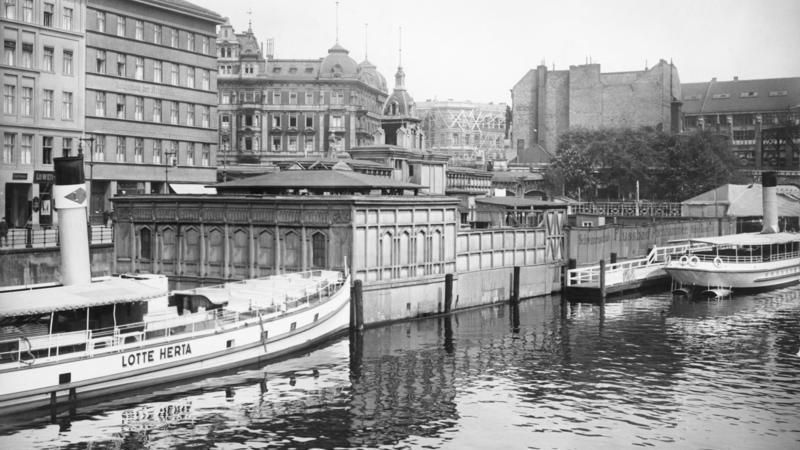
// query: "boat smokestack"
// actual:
[[769, 201], [70, 196]]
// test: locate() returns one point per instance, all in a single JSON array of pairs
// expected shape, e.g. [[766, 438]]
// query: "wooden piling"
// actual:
[[448, 292], [602, 281], [515, 289], [357, 291]]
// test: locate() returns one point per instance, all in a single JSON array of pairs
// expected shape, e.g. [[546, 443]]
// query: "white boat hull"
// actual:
[[756, 275], [164, 359]]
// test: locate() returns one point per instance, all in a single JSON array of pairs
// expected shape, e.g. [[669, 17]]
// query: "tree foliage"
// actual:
[[608, 163]]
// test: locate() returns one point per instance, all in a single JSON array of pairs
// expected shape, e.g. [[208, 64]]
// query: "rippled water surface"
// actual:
[[648, 371]]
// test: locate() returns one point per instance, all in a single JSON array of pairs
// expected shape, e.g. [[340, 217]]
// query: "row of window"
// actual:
[[25, 10], [335, 97], [737, 120], [150, 109], [293, 120], [458, 139], [140, 30], [21, 54], [24, 106], [153, 70], [253, 143], [19, 148], [149, 151]]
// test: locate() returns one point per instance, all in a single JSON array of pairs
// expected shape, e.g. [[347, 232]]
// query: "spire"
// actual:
[[366, 38], [400, 76], [337, 21], [250, 21]]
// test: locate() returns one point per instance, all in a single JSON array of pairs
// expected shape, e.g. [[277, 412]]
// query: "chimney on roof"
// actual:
[[270, 48], [735, 78], [714, 79]]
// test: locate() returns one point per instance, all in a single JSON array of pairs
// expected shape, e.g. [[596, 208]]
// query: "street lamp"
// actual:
[[168, 156], [90, 140]]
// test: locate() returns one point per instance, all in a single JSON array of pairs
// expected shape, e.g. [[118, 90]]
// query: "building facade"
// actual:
[[469, 132], [150, 99], [43, 116], [747, 111], [272, 109], [547, 103]]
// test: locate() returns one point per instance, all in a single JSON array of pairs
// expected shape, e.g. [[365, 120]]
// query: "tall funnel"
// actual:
[[769, 196], [70, 196]]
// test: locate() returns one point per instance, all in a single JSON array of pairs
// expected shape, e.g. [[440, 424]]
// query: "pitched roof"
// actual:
[[746, 200], [316, 179], [772, 94], [187, 7]]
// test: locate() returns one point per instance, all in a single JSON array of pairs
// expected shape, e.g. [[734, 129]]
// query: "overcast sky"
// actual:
[[477, 50]]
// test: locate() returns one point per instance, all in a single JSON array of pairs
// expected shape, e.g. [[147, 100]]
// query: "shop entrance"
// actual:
[[18, 207]]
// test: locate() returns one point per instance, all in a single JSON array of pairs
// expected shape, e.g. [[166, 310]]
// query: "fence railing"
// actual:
[[624, 271], [628, 209], [19, 238]]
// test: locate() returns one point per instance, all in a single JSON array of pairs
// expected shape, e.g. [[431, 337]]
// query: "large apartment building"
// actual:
[[272, 109], [151, 97], [43, 116], [749, 113]]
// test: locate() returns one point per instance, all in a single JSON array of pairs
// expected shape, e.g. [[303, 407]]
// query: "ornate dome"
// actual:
[[338, 64], [368, 74], [400, 102]]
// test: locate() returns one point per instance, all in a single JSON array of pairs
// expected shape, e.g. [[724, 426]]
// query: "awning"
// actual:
[[64, 298], [749, 239], [192, 189]]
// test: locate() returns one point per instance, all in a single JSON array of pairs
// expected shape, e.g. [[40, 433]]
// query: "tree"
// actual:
[[613, 161]]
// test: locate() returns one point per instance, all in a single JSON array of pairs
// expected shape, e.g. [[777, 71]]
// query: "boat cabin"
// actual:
[[746, 248]]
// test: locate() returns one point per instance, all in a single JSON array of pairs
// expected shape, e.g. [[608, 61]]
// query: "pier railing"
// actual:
[[19, 238], [628, 209], [625, 271]]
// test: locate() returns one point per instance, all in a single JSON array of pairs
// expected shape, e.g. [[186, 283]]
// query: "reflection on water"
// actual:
[[648, 371]]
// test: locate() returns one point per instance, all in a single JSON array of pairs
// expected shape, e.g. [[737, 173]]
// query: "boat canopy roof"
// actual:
[[65, 298], [751, 239]]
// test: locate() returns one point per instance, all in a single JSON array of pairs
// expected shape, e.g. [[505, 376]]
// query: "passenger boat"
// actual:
[[86, 339], [742, 261], [122, 333]]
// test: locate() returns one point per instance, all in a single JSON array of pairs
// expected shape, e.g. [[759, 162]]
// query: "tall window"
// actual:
[[47, 103], [27, 11], [138, 108], [276, 143], [66, 146], [157, 71], [99, 149], [190, 149], [156, 151], [292, 98], [9, 98], [67, 19], [26, 149], [173, 37], [138, 150], [100, 104], [10, 53], [47, 59], [120, 26], [101, 21], [292, 143], [101, 61], [190, 42], [139, 30], [157, 34], [8, 147], [66, 111], [173, 113], [204, 44], [337, 122], [225, 122], [206, 80], [173, 74], [309, 121], [10, 9], [190, 77], [292, 120], [309, 144], [47, 14], [120, 65], [205, 157], [120, 106], [157, 110], [67, 62], [190, 115], [27, 56], [139, 68], [276, 98], [173, 148], [206, 117], [120, 148], [309, 98], [26, 109], [337, 97], [47, 149]]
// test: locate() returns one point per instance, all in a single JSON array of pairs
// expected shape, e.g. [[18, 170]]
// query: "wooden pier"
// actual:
[[616, 278]]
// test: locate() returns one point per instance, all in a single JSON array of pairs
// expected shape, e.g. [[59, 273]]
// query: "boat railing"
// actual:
[[745, 259], [51, 347], [657, 257]]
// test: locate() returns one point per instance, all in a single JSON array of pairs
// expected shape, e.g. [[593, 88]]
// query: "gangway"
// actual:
[[623, 276]]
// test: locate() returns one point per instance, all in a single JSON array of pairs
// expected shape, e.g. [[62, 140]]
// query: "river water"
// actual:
[[642, 372]]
